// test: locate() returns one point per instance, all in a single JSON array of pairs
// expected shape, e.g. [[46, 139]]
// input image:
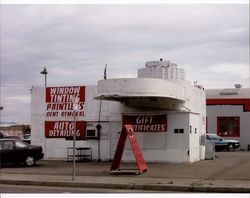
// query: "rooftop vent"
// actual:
[[237, 86], [229, 92]]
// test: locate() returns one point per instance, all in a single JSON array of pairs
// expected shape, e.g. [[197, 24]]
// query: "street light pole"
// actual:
[[75, 108], [44, 72], [74, 147], [1, 108]]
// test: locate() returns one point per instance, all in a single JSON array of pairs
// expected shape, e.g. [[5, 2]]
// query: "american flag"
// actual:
[[105, 72]]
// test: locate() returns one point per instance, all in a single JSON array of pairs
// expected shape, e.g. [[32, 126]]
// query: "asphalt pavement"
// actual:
[[229, 172]]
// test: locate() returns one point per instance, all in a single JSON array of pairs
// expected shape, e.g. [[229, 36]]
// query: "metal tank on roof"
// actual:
[[163, 70]]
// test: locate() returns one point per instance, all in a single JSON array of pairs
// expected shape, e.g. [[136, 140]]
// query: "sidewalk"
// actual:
[[228, 173]]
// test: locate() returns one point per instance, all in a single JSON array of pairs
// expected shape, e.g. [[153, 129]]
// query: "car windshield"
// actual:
[[6, 145], [26, 136], [21, 144], [214, 137]]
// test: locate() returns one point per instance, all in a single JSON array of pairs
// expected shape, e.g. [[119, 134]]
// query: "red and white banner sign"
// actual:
[[64, 129], [146, 123], [60, 100]]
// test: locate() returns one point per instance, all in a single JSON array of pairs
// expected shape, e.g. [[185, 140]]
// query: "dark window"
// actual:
[[91, 133], [178, 130], [228, 126], [206, 124], [213, 137], [7, 145]]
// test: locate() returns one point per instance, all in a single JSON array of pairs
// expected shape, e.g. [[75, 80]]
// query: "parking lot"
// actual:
[[226, 166], [228, 172]]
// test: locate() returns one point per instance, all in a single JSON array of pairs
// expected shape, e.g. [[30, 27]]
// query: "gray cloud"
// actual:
[[75, 42]]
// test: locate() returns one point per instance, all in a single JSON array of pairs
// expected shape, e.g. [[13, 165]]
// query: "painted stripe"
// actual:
[[232, 101]]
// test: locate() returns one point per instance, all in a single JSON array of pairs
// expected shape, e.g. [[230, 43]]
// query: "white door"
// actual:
[[115, 130]]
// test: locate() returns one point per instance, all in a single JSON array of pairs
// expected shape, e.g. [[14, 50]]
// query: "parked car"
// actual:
[[2, 134], [221, 143], [5, 135], [17, 152], [26, 138]]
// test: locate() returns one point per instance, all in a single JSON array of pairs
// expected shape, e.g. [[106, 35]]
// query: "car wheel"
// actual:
[[230, 147], [30, 161]]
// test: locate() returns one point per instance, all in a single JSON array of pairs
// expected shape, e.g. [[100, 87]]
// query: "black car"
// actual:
[[4, 135], [17, 152], [26, 138]]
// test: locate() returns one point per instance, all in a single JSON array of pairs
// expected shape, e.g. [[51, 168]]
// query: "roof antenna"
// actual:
[[237, 86]]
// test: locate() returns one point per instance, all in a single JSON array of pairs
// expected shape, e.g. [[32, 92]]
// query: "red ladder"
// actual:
[[127, 131]]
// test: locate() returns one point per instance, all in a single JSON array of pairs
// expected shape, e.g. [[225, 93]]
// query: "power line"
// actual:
[[16, 86]]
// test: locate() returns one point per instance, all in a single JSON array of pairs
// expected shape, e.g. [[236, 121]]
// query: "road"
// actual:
[[46, 189]]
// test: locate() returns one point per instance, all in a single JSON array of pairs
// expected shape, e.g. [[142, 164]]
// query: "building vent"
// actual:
[[91, 134], [161, 69], [237, 86], [229, 92]]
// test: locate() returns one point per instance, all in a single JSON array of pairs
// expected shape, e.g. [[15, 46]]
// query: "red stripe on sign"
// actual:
[[230, 101]]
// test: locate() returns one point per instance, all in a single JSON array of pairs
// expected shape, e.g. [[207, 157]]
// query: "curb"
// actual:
[[153, 187]]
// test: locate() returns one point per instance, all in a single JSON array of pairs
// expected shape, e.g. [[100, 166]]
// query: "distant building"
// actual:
[[15, 130], [228, 113]]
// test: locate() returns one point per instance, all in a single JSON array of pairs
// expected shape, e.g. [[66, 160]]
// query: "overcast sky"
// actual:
[[211, 42]]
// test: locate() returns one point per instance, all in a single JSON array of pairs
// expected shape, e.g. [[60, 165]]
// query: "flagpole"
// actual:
[[98, 127], [105, 72]]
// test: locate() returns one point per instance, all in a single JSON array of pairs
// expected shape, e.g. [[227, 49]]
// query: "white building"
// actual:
[[166, 111], [228, 113]]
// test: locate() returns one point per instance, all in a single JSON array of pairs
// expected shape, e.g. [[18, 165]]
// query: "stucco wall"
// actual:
[[230, 110], [170, 146], [156, 147], [57, 147]]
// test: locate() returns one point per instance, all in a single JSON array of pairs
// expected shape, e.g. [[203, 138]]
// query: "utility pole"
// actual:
[[75, 108], [44, 72], [1, 107]]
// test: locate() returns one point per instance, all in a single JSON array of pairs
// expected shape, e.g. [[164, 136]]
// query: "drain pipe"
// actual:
[[98, 127]]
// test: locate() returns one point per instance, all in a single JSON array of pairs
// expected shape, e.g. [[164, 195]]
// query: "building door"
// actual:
[[115, 131]]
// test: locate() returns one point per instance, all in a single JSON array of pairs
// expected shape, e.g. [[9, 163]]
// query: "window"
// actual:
[[228, 126], [212, 137], [178, 130], [6, 145], [20, 145]]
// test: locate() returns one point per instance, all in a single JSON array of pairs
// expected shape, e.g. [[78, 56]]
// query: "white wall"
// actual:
[[215, 111], [143, 87], [38, 117], [57, 147], [158, 147], [164, 146], [194, 137]]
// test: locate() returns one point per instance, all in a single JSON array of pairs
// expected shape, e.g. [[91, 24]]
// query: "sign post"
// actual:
[[75, 108]]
